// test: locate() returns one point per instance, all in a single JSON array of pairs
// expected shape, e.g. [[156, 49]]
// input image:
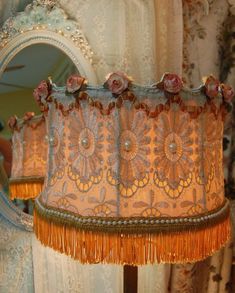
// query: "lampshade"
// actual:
[[135, 173], [29, 156]]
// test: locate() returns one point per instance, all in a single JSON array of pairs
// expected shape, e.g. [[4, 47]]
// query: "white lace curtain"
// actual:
[[140, 37]]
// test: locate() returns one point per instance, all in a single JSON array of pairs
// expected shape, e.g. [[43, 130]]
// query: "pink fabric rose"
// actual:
[[117, 82], [28, 116], [12, 122], [74, 83], [41, 92], [172, 83], [228, 92], [212, 86]]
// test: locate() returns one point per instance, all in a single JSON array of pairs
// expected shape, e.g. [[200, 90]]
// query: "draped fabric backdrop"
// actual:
[[188, 37]]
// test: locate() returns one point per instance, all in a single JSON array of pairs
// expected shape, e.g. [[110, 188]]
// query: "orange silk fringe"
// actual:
[[132, 249], [23, 190]]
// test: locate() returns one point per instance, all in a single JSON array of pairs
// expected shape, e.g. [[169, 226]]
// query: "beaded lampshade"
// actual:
[[29, 156], [135, 173]]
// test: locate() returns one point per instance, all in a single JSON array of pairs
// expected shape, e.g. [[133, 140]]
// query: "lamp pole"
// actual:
[[130, 282]]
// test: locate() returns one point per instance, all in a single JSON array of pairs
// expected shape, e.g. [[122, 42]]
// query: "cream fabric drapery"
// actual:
[[55, 273], [168, 37], [140, 37], [27, 266]]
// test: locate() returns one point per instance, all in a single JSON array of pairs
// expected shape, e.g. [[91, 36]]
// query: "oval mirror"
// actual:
[[35, 44]]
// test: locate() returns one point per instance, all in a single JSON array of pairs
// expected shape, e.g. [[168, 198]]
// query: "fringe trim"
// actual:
[[132, 249], [25, 189]]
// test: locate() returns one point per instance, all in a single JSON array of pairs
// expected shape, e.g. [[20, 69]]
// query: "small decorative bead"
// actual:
[[127, 145], [173, 147], [85, 143]]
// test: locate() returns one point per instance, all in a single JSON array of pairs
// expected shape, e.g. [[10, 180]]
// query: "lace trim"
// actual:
[[193, 110]]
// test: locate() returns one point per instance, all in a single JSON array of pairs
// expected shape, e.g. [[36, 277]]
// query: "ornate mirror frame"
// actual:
[[42, 22]]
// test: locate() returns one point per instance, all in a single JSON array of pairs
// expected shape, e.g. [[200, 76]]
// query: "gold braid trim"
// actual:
[[25, 187], [176, 244], [132, 224]]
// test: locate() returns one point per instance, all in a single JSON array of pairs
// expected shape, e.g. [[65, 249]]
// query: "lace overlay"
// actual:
[[138, 158], [16, 266]]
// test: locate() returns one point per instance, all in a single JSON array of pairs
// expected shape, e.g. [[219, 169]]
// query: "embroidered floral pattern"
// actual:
[[56, 144], [130, 145], [205, 151], [103, 206], [86, 147], [17, 153], [65, 200], [195, 206], [173, 152], [150, 208]]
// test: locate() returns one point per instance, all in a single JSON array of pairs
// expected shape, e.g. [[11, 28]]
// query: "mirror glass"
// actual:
[[21, 76]]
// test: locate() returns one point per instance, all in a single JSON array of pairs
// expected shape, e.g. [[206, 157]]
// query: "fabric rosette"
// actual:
[[212, 86], [117, 82], [42, 91], [28, 116], [170, 83], [227, 92], [74, 83], [12, 122]]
